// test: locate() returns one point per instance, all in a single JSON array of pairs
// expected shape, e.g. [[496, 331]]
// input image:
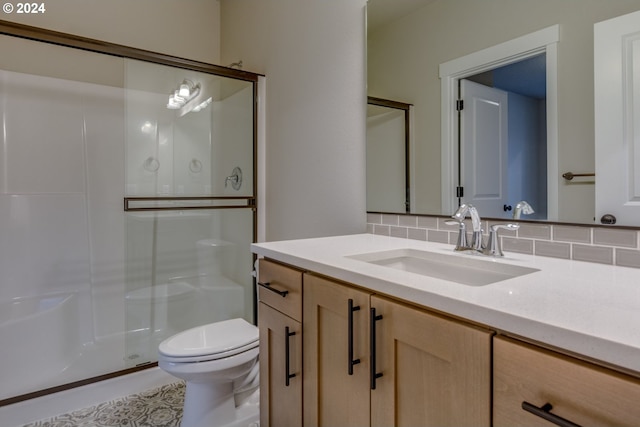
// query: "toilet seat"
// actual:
[[210, 342]]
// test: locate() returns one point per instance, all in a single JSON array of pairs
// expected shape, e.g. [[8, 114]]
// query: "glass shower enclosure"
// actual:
[[127, 205]]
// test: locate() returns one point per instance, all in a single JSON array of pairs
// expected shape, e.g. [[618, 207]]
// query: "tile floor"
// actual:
[[158, 407]]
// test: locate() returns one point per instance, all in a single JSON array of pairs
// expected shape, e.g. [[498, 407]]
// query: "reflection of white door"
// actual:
[[617, 118], [483, 148]]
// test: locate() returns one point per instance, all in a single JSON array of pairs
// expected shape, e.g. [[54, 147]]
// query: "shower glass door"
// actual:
[[189, 202], [88, 289]]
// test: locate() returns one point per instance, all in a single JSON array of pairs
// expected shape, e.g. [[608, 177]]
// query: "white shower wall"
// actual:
[[215, 139], [61, 176], [157, 140]]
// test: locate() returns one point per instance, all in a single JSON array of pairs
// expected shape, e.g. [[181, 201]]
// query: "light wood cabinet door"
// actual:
[[435, 371], [573, 390], [280, 369], [332, 396]]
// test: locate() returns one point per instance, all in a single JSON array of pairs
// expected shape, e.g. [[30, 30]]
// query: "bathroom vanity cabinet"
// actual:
[[280, 325], [558, 388], [553, 346], [371, 360]]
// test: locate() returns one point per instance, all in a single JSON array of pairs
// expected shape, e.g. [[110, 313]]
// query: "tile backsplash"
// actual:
[[617, 246]]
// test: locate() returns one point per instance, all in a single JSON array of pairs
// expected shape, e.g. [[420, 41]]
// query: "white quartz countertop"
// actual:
[[585, 308]]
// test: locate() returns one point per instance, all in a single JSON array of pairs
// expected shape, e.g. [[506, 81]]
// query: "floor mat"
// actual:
[[158, 407]]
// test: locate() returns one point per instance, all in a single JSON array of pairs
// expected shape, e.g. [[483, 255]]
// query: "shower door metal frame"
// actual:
[[98, 46], [37, 34]]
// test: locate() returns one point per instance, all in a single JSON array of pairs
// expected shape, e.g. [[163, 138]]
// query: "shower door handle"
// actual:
[[287, 360]]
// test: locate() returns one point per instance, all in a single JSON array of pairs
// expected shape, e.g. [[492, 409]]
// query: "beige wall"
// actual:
[[312, 53], [449, 29], [183, 28]]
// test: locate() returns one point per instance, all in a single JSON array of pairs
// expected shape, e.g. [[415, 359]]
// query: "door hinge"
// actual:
[[459, 191], [459, 105]]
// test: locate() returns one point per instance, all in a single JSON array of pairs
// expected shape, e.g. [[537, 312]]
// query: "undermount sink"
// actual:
[[455, 268]]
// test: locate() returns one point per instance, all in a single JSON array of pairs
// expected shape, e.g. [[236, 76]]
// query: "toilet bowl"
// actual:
[[218, 362]]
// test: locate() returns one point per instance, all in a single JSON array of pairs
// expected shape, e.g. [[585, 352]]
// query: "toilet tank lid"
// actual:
[[214, 338]]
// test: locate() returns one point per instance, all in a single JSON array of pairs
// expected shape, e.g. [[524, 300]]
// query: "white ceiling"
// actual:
[[380, 12]]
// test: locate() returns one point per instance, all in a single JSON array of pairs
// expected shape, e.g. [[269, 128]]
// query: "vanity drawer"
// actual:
[[280, 287], [580, 392]]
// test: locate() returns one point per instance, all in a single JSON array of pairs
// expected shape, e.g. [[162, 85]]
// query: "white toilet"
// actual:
[[219, 363]]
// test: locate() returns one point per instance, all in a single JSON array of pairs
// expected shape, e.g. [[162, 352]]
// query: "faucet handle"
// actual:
[[494, 248], [462, 244], [510, 226]]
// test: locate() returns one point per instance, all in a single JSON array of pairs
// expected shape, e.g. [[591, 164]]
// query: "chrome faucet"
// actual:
[[493, 247], [522, 207], [476, 236]]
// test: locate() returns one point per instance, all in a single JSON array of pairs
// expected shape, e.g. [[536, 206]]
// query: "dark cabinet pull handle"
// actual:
[[352, 361], [287, 361], [268, 286], [544, 412], [372, 347]]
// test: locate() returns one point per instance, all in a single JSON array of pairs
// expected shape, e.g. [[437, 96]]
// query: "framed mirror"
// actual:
[[407, 43]]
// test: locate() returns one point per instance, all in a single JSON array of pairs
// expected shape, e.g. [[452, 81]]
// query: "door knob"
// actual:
[[608, 219]]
